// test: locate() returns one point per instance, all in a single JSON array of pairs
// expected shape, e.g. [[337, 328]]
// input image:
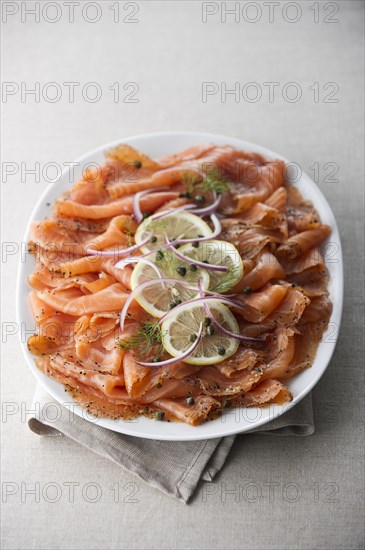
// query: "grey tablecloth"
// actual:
[[174, 467]]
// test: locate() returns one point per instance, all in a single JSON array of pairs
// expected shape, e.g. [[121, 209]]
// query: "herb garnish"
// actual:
[[226, 282], [148, 337], [212, 181]]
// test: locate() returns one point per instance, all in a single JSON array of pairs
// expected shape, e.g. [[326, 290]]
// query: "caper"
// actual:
[[181, 270], [199, 199]]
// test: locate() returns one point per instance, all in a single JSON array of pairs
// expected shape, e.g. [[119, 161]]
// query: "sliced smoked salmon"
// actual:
[[108, 348]]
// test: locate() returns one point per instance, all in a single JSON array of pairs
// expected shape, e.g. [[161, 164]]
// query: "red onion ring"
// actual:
[[137, 213], [172, 211], [175, 360], [134, 260], [228, 332], [208, 267], [202, 300], [208, 210], [215, 233], [144, 285]]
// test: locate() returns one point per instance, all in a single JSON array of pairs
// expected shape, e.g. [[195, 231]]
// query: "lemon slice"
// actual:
[[182, 326], [179, 224], [159, 298], [220, 253]]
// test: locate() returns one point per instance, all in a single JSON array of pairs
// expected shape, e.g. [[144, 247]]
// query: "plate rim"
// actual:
[[196, 431]]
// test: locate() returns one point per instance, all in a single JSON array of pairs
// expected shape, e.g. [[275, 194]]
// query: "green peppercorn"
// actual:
[[160, 415], [181, 270], [137, 164], [222, 351], [153, 239], [190, 400], [159, 255], [193, 267], [185, 195], [172, 305], [195, 245], [207, 322], [193, 337], [205, 262], [247, 290]]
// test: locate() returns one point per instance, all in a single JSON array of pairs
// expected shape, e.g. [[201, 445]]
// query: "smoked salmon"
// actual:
[[78, 289]]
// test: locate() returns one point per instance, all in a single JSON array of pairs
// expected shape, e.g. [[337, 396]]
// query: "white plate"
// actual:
[[239, 420]]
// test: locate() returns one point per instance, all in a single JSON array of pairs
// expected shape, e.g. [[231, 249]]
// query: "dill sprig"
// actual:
[[167, 262], [213, 181], [189, 181], [226, 282], [147, 338]]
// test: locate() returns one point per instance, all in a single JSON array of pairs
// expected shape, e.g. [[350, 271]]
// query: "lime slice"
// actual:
[[157, 298], [182, 326], [179, 224], [220, 253]]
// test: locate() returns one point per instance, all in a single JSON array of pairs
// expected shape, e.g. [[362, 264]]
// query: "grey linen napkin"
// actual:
[[174, 467]]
